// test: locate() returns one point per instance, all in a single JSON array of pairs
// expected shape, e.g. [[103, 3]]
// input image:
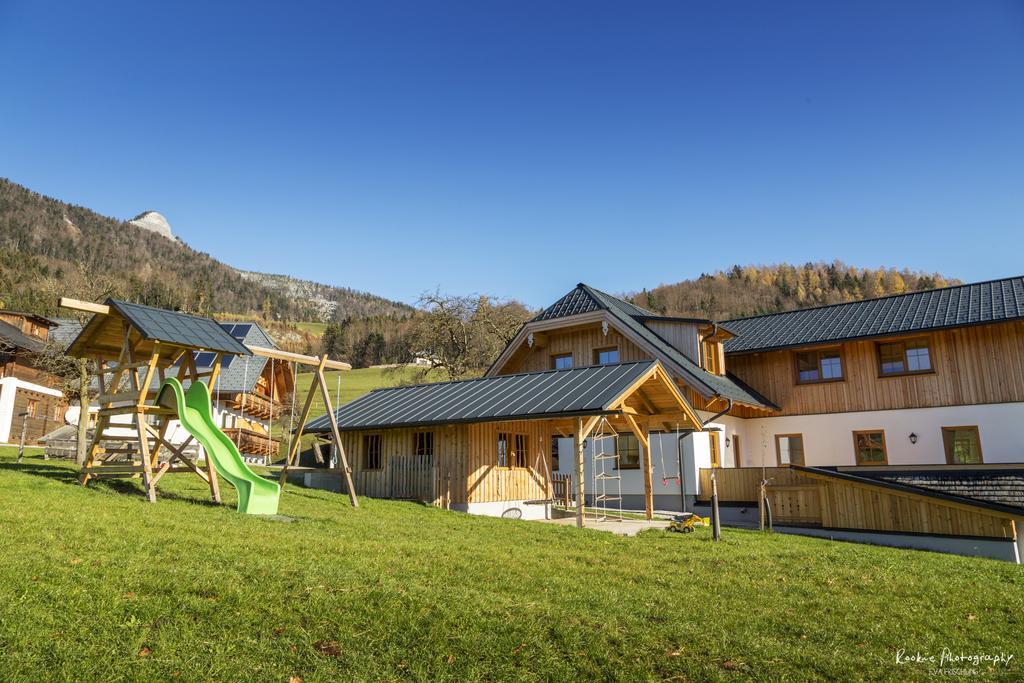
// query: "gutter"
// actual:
[[679, 451]]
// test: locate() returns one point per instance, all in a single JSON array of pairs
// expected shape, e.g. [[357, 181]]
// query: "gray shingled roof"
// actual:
[[14, 337], [178, 328], [1002, 486], [584, 299], [536, 395], [971, 304]]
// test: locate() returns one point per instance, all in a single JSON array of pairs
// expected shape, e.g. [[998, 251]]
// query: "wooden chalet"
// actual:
[[31, 403], [484, 445]]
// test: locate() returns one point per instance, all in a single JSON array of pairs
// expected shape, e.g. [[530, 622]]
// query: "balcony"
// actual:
[[256, 405], [251, 442]]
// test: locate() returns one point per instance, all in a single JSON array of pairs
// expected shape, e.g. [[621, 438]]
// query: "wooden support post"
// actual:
[[643, 437], [578, 448], [298, 434], [335, 434]]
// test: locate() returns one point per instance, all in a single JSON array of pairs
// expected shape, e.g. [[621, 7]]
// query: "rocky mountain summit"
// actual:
[[154, 222]]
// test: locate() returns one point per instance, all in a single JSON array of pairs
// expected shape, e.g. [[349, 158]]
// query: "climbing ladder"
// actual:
[[607, 478]]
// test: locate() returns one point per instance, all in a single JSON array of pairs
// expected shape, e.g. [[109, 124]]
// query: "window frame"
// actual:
[[817, 357], [366, 452], [605, 349], [556, 356], [513, 454], [31, 406], [903, 344], [948, 452], [856, 448], [618, 452], [778, 449], [420, 449], [710, 352]]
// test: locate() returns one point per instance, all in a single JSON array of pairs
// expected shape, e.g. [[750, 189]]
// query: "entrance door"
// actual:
[[736, 451]]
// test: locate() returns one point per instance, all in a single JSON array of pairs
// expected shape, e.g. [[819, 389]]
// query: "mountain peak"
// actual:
[[154, 222]]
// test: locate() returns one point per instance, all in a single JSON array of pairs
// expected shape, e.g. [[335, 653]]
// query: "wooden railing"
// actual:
[[256, 405], [250, 442], [820, 499], [561, 488]]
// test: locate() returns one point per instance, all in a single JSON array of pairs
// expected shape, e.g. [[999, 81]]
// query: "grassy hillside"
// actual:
[[50, 248], [97, 584], [355, 383]]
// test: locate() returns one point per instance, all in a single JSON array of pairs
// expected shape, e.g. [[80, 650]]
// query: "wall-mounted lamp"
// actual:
[[728, 442], [913, 437]]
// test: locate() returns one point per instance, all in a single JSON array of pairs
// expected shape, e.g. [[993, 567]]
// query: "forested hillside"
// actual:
[[754, 290], [48, 246]]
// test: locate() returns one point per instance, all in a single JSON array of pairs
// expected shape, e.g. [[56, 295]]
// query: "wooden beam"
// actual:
[[335, 434], [84, 306], [578, 470], [299, 358]]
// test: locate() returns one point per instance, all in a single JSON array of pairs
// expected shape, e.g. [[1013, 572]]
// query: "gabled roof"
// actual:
[[179, 328], [102, 334], [957, 306], [14, 337], [536, 395], [48, 322], [586, 299], [239, 374]]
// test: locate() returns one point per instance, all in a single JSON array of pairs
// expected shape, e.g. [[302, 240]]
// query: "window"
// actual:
[[606, 356], [512, 450], [554, 454], [628, 451], [711, 361], [423, 443], [824, 365], [789, 448], [57, 413], [561, 361], [962, 444], [716, 456], [372, 451], [31, 407], [869, 447], [904, 357]]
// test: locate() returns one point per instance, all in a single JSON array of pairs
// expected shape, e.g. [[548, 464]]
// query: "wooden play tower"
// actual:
[[135, 348]]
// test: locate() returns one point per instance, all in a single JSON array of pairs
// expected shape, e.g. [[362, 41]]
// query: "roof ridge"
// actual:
[[877, 298]]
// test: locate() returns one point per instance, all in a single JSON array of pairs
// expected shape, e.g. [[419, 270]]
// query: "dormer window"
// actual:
[[712, 361]]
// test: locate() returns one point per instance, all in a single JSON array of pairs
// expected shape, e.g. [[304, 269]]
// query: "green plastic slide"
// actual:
[[256, 495]]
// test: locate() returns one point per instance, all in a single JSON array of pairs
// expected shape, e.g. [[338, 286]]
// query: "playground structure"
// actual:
[[136, 347]]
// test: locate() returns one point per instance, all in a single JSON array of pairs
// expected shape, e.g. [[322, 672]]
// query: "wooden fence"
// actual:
[[831, 501], [561, 488], [408, 477]]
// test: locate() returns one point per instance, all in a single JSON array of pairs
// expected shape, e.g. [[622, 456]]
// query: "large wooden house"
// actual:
[[30, 401]]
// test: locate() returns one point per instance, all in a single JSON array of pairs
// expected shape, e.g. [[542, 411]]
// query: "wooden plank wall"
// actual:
[[683, 336], [486, 482], [49, 415], [580, 343], [464, 464], [973, 365], [818, 500]]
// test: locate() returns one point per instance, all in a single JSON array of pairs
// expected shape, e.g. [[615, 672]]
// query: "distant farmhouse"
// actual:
[[30, 400]]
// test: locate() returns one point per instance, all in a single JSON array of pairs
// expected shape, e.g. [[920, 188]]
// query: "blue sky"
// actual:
[[516, 148]]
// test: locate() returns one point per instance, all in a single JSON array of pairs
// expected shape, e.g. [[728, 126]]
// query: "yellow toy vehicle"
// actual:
[[686, 522]]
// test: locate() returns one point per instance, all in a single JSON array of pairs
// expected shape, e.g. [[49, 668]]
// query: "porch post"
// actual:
[[578, 440]]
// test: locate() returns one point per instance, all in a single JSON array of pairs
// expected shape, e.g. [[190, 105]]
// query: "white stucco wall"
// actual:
[[828, 439]]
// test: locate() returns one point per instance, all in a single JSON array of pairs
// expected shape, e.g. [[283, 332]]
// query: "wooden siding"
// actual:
[[802, 499], [49, 415], [685, 337], [972, 365], [464, 463], [580, 342]]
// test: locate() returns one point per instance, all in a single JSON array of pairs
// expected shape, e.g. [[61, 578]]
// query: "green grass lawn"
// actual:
[[97, 584], [313, 328], [355, 383]]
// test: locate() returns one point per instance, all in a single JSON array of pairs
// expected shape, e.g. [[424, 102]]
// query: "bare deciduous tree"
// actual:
[[463, 334]]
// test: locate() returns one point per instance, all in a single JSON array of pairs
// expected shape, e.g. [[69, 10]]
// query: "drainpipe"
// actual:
[[679, 451]]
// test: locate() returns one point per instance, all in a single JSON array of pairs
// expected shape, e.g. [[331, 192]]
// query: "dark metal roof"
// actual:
[[725, 386], [935, 493], [535, 395], [971, 304], [1001, 486], [179, 328], [585, 299]]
